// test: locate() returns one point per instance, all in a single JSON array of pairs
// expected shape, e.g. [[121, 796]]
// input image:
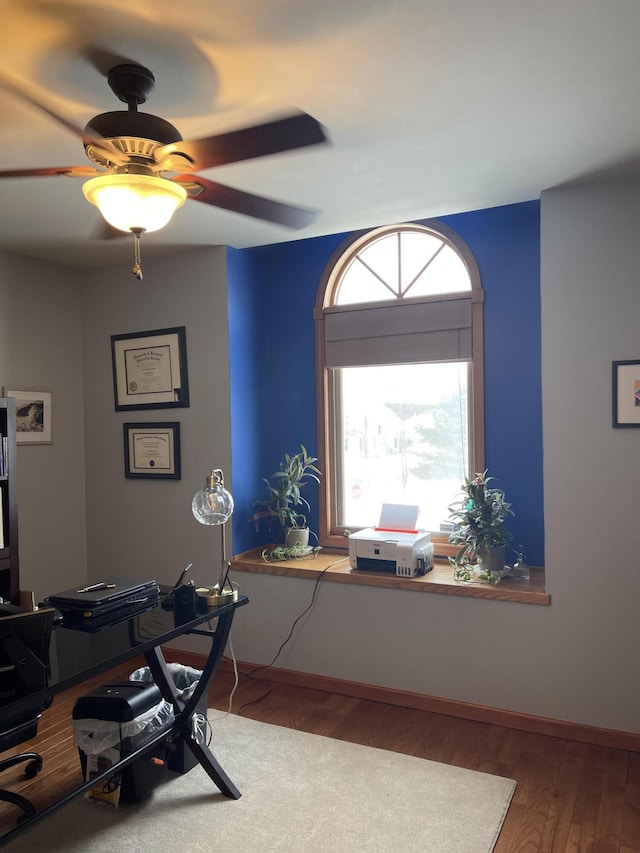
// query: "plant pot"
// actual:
[[493, 559], [295, 536]]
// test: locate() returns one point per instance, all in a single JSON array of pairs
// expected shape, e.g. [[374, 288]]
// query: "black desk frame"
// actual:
[[181, 729]]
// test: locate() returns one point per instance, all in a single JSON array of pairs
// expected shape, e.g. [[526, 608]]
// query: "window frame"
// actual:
[[329, 533]]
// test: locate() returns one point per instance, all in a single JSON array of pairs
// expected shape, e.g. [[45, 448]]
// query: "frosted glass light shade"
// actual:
[[131, 202], [212, 504]]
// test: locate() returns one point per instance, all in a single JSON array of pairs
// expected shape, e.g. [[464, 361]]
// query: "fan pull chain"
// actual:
[[137, 269]]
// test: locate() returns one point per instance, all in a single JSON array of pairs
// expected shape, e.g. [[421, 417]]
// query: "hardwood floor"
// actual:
[[570, 796]]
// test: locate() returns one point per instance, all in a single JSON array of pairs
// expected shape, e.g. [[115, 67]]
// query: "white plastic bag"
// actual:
[[95, 736], [186, 678]]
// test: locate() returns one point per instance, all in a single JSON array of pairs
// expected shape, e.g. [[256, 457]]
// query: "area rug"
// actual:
[[301, 793]]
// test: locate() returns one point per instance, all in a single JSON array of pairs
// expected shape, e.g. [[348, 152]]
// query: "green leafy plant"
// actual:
[[279, 553], [479, 517], [285, 501]]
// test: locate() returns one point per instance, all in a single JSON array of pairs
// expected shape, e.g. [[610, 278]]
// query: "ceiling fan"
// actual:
[[137, 151]]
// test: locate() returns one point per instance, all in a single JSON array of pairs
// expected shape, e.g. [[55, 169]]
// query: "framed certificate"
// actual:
[[152, 451], [150, 369]]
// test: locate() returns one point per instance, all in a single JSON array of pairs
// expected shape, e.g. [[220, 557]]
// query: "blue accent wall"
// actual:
[[244, 380], [505, 242], [272, 294]]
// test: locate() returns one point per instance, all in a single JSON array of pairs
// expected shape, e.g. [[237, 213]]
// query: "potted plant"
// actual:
[[479, 517], [285, 502]]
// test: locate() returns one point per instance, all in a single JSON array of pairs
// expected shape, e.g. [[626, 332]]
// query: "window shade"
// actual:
[[398, 333]]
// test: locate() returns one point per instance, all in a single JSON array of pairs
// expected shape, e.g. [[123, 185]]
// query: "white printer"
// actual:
[[392, 546]]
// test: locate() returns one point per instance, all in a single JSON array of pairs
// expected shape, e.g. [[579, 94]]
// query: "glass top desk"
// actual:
[[76, 654]]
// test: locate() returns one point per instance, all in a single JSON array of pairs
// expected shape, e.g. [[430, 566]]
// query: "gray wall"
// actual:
[[591, 317], [41, 350], [145, 528]]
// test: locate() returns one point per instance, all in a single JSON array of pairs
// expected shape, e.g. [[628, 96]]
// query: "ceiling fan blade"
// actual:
[[88, 137], [285, 134], [52, 172], [238, 201]]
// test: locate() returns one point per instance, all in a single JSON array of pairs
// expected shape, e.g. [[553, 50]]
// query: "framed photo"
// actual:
[[33, 416], [150, 369], [152, 451], [626, 393]]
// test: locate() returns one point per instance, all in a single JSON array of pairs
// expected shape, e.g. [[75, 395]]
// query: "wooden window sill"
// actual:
[[440, 580]]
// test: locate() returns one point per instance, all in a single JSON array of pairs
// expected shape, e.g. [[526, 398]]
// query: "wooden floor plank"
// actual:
[[630, 832], [556, 830], [611, 811], [538, 767], [589, 796]]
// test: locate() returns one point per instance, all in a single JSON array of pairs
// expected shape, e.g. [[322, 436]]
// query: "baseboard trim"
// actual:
[[609, 738]]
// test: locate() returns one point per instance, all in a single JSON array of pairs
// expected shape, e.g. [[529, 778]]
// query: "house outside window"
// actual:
[[399, 356]]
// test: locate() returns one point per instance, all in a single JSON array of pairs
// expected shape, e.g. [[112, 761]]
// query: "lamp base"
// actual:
[[213, 596]]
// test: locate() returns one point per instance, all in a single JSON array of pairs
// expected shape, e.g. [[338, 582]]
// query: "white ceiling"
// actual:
[[432, 106]]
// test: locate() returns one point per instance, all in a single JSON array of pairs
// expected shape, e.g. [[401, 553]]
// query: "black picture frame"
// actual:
[[152, 450], [626, 393], [150, 369]]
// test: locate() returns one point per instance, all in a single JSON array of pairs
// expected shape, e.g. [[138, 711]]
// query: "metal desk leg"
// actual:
[[185, 711]]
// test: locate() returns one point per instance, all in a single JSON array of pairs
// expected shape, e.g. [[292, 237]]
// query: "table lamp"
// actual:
[[213, 505]]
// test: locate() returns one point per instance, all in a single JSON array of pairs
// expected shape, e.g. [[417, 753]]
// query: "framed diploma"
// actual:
[[152, 451], [150, 369]]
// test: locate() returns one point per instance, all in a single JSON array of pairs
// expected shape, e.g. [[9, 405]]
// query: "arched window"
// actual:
[[399, 356]]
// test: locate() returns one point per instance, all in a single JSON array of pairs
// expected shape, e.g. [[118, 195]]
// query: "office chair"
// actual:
[[24, 668]]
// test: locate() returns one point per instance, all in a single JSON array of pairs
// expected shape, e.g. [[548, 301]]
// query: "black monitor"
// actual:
[[24, 650]]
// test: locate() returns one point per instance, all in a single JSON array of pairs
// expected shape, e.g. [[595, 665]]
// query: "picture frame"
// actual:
[[33, 416], [150, 369], [152, 451], [626, 393]]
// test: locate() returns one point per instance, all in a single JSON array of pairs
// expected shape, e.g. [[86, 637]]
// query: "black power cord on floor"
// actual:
[[264, 666]]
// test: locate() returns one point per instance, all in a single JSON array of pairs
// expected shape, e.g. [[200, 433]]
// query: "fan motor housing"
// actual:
[[135, 134]]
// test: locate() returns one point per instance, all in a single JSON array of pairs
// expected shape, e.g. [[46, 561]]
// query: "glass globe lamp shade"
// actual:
[[135, 202], [212, 504]]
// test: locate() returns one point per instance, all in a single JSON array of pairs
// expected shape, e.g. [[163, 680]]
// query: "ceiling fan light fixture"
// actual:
[[135, 202]]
